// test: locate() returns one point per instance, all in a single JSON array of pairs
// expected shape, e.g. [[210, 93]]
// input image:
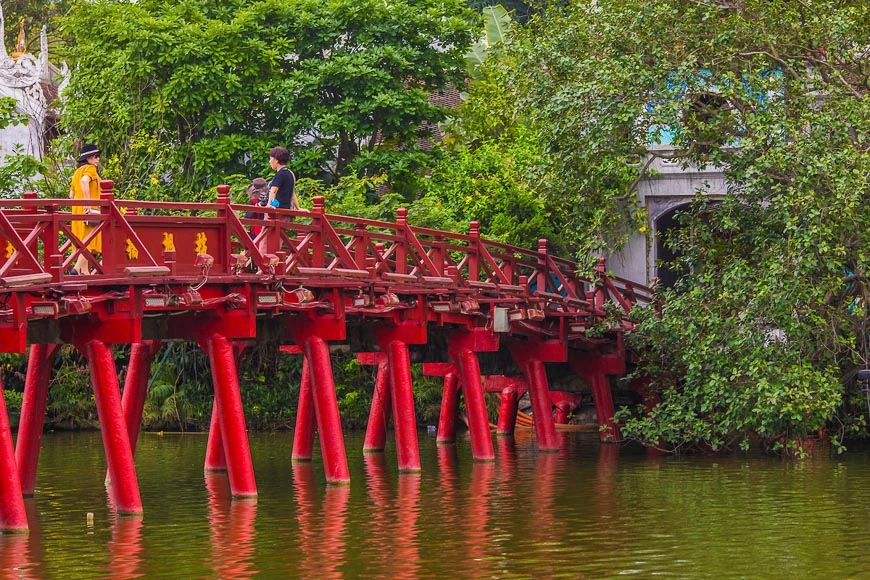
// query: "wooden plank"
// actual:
[[137, 271]]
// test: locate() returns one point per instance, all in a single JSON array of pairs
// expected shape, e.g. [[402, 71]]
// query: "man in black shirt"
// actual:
[[282, 187]]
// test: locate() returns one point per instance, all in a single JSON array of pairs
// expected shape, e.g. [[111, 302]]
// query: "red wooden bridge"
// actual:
[[484, 315]]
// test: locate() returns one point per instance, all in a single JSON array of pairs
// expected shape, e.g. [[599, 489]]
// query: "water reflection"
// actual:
[[322, 534], [21, 554], [405, 542], [477, 514], [125, 548], [231, 523], [589, 511]]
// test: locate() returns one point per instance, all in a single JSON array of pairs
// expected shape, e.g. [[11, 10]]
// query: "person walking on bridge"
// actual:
[[86, 185], [282, 188]]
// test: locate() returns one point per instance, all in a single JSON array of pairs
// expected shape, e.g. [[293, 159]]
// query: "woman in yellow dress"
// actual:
[[86, 185]]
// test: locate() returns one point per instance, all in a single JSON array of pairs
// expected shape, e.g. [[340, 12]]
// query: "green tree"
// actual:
[[344, 85], [765, 330]]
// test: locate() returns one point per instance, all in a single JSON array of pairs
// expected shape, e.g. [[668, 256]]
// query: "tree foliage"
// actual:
[[216, 84], [765, 328]]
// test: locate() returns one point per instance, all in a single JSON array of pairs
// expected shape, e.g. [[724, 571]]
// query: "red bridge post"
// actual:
[[507, 412], [463, 348], [231, 416], [116, 441], [306, 421], [531, 356], [446, 434], [402, 397], [27, 446], [326, 410], [13, 517], [215, 458], [379, 414], [136, 386], [595, 369], [449, 414]]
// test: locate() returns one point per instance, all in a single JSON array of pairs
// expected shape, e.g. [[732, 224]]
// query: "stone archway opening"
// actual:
[[666, 268]]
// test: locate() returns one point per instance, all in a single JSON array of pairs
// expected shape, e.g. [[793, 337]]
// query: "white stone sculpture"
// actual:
[[20, 79]]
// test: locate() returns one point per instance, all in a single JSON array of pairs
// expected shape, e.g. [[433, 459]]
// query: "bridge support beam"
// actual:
[[507, 412], [13, 517], [545, 428], [326, 410], [215, 460], [446, 434], [402, 399], [27, 446], [449, 415], [531, 356], [379, 415], [306, 421], [136, 386], [231, 416], [124, 488], [463, 348], [594, 368], [603, 399]]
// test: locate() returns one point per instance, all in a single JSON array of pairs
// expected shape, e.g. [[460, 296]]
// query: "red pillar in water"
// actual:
[[116, 440], [215, 460], [231, 417], [303, 435], [13, 517], [39, 362], [475, 404], [136, 386], [603, 399], [404, 416], [507, 412], [379, 415], [449, 410], [326, 411], [545, 428]]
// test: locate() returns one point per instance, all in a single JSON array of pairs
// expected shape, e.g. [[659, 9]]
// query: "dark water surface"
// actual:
[[588, 511]]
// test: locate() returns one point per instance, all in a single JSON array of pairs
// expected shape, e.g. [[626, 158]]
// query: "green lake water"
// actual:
[[589, 511]]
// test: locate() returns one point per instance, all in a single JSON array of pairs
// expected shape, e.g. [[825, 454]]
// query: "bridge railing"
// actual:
[[169, 239]]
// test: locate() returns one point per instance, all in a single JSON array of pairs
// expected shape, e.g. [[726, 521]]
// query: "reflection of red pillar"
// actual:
[[475, 405], [404, 416], [232, 530], [125, 548], [15, 556], [477, 515], [136, 386], [382, 514], [405, 554], [507, 458], [449, 410], [542, 504], [331, 532], [39, 363], [116, 440], [379, 415], [215, 460], [13, 518], [326, 411], [231, 416], [304, 499], [545, 429], [507, 412], [303, 433]]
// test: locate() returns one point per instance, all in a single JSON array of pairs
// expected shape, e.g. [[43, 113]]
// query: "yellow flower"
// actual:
[[153, 180]]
